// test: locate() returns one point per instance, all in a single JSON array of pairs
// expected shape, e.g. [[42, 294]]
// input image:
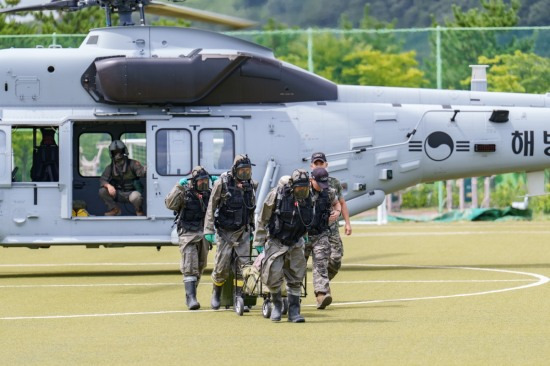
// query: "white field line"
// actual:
[[425, 281], [163, 312], [152, 284], [85, 264], [445, 233], [122, 264], [541, 280]]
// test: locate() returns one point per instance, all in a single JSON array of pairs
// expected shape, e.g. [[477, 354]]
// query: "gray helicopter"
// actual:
[[183, 97]]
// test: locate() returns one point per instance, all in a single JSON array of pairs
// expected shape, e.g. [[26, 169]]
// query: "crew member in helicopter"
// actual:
[[120, 181], [286, 215], [45, 158], [319, 160], [326, 210], [190, 200], [230, 214]]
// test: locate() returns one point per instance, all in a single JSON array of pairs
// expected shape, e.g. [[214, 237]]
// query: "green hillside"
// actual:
[[327, 13]]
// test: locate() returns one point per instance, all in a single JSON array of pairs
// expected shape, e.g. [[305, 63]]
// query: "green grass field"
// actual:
[[415, 294]]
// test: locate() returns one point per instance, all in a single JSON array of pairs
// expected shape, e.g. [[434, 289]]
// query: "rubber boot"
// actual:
[[216, 294], [294, 309], [277, 306], [191, 295]]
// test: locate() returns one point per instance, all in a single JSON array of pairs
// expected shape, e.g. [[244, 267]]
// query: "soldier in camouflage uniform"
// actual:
[[319, 160], [283, 221], [231, 213], [120, 181], [190, 200], [325, 203]]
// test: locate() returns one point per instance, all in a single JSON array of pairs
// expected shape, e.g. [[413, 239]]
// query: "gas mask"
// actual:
[[300, 192], [243, 172], [202, 184], [300, 184], [200, 178]]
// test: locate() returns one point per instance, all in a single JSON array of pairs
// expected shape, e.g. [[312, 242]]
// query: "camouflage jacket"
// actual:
[[124, 178]]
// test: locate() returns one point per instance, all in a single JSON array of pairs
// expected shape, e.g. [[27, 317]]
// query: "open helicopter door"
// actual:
[[5, 156], [175, 146]]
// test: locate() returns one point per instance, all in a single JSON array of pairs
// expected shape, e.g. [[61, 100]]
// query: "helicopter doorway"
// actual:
[[174, 147], [91, 140]]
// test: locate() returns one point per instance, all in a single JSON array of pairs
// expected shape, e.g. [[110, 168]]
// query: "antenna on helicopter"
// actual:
[[125, 8]]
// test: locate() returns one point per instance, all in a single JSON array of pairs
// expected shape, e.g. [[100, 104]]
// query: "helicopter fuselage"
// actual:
[[237, 98]]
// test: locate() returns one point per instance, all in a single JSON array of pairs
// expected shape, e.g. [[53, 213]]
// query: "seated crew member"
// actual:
[[120, 181]]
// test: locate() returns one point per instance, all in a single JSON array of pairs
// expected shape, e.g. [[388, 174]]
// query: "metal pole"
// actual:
[[440, 200], [438, 76], [310, 50], [438, 56]]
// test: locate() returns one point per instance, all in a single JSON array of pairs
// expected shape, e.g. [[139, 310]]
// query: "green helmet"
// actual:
[[117, 145]]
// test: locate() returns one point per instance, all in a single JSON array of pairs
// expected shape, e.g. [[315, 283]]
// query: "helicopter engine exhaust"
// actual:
[[202, 79]]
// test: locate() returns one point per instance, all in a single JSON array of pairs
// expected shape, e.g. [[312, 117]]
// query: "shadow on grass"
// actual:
[[369, 258], [330, 315], [354, 321]]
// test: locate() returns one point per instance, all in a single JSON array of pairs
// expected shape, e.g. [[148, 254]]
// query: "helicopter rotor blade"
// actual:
[[67, 5], [178, 11]]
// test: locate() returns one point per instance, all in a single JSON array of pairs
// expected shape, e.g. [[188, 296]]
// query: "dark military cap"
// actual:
[[318, 156], [321, 177]]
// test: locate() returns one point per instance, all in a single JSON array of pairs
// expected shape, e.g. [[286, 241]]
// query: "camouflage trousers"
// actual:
[[231, 245], [133, 197], [194, 254], [319, 246], [336, 251], [284, 262]]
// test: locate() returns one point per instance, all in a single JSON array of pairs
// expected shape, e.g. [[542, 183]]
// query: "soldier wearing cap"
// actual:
[[325, 204], [319, 160], [286, 214], [231, 214], [120, 181], [189, 199]]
